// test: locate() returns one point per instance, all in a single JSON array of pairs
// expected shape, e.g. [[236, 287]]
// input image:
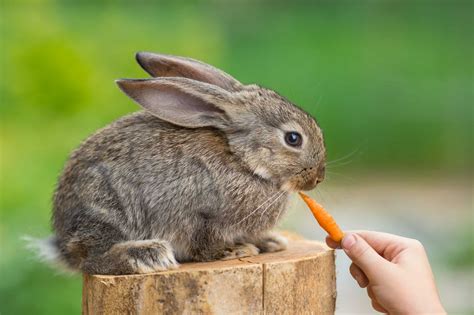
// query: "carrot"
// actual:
[[325, 220]]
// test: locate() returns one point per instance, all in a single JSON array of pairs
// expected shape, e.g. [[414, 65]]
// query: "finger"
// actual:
[[359, 275], [378, 307], [332, 243], [370, 293], [364, 256], [379, 241], [375, 304]]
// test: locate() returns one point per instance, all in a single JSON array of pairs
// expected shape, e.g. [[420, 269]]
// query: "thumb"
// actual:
[[363, 255]]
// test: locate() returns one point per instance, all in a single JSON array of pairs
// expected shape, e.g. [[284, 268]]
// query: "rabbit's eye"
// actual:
[[293, 139]]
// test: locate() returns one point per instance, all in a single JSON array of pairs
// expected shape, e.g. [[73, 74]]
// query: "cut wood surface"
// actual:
[[299, 280]]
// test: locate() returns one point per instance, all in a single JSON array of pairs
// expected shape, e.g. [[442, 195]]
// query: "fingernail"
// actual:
[[358, 278], [348, 241]]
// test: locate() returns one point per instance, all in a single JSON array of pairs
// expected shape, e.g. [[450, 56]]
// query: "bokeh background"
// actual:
[[390, 82]]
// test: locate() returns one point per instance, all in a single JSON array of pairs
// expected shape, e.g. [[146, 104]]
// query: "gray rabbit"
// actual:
[[202, 173]]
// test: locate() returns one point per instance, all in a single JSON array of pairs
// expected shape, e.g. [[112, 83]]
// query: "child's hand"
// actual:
[[395, 270]]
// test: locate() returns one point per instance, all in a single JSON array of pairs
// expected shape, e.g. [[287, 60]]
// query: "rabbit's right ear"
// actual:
[[183, 102], [159, 65]]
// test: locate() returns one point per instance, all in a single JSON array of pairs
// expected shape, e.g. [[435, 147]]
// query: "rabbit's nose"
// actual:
[[321, 173], [312, 176], [317, 173]]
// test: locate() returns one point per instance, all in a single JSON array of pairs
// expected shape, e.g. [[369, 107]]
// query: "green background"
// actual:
[[390, 82]]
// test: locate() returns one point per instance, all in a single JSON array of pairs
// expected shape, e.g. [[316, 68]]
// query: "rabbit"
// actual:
[[203, 172]]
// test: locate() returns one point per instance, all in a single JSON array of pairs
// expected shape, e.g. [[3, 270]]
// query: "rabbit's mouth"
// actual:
[[306, 179]]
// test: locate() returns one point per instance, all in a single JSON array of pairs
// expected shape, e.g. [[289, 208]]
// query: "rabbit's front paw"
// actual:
[[239, 251], [272, 242], [150, 256]]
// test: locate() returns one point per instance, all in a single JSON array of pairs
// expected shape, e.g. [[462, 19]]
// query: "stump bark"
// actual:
[[299, 280]]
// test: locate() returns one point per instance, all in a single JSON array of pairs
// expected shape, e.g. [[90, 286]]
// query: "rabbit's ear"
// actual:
[[158, 65], [183, 101]]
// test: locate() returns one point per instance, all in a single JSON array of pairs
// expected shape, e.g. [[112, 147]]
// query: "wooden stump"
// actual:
[[299, 280]]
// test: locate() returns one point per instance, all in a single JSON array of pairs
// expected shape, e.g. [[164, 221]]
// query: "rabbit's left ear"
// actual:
[[159, 65], [184, 102]]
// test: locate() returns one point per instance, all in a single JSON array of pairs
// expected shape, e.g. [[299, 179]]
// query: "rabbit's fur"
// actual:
[[202, 173]]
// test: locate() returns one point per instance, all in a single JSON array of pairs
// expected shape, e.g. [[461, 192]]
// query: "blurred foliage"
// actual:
[[461, 256], [389, 80]]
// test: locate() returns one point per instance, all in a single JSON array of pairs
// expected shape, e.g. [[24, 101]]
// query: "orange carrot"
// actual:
[[325, 220]]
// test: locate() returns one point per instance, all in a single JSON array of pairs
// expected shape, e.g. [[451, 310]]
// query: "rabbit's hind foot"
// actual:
[[271, 242], [239, 251], [147, 256]]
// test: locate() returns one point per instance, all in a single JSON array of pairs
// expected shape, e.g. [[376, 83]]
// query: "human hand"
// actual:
[[394, 269]]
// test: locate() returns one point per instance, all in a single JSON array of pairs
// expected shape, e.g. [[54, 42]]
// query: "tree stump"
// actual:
[[299, 280]]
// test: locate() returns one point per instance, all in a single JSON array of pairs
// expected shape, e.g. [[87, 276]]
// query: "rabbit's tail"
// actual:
[[47, 251]]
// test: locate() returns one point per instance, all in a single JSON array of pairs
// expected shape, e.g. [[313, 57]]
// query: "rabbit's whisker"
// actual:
[[256, 209], [268, 207], [279, 213], [342, 175], [318, 192], [344, 158], [340, 164]]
